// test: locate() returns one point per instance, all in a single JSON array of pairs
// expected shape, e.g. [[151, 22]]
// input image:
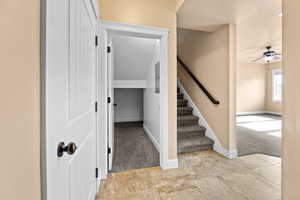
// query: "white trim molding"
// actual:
[[102, 95], [231, 154], [95, 8], [171, 164], [129, 84], [273, 113], [146, 31], [151, 137], [109, 29], [209, 131], [250, 113], [164, 102], [258, 113]]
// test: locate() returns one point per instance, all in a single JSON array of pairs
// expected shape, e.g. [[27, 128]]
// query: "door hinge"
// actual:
[[96, 106], [108, 100], [108, 49], [97, 172], [109, 150], [96, 40]]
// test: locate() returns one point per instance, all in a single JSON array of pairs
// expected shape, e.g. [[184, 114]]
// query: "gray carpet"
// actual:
[[133, 149], [190, 135], [259, 134]]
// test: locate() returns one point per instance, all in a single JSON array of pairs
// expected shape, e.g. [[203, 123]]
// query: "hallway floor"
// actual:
[[200, 176], [259, 134], [133, 148]]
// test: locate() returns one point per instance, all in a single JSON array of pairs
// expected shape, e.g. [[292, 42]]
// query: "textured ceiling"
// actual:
[[258, 23]]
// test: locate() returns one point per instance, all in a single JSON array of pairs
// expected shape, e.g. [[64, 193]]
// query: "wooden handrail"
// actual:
[[211, 98]]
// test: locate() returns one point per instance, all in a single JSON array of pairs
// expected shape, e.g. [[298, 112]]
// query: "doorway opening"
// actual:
[[133, 77], [259, 84], [135, 103]]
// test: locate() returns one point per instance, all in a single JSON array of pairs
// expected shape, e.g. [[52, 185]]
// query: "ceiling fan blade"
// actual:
[[278, 54], [258, 59], [277, 57]]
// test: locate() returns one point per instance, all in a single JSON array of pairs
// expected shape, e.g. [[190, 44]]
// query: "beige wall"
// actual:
[[254, 88], [251, 87], [156, 13], [19, 107], [291, 101], [270, 104], [208, 57]]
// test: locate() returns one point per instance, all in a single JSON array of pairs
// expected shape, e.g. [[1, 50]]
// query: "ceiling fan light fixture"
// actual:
[[280, 14], [268, 58]]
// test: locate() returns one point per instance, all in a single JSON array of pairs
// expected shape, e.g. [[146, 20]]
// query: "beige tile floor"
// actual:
[[200, 176]]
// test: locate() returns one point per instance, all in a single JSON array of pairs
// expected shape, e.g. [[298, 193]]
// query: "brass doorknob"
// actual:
[[62, 148]]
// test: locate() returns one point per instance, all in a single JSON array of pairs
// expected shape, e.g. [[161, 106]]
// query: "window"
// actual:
[[157, 78], [277, 84]]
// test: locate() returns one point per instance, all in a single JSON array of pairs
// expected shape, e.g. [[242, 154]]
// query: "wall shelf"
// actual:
[[129, 84]]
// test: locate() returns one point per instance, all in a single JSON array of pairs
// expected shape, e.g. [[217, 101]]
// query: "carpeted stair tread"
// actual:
[[187, 117], [184, 111], [190, 131], [182, 103], [185, 108], [179, 96], [190, 135], [193, 128], [187, 120], [196, 143]]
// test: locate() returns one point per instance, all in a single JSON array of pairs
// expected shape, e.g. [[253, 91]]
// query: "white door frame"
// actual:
[[110, 132], [105, 29]]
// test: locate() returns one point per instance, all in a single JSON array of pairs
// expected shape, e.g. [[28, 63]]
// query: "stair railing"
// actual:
[[206, 92]]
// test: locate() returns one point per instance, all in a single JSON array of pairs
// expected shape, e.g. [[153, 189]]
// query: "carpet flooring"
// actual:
[[133, 149], [259, 134]]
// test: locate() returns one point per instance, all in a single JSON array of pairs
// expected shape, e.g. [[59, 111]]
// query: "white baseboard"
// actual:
[[128, 119], [226, 153], [171, 164], [98, 185], [273, 113], [258, 113], [232, 154], [153, 140], [209, 132], [102, 176], [250, 113]]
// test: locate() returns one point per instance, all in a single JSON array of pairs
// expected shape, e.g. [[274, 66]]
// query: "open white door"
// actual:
[[110, 93], [70, 116]]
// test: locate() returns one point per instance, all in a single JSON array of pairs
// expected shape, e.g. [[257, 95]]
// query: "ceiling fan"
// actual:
[[269, 56]]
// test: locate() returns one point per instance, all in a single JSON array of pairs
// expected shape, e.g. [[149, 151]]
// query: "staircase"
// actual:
[[190, 135]]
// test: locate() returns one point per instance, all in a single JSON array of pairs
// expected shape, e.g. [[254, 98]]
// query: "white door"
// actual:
[[110, 93], [70, 100]]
